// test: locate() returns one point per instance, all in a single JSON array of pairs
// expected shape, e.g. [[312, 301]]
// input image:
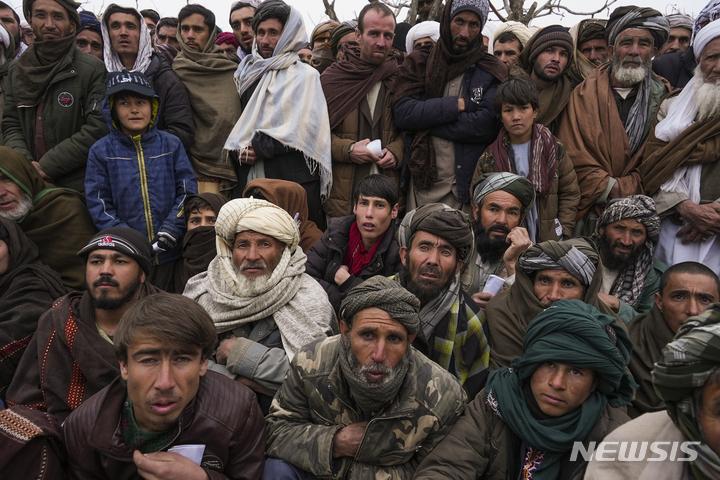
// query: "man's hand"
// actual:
[[254, 386], [482, 298], [342, 274], [361, 154], [42, 173], [248, 157], [704, 219], [388, 160], [223, 350], [519, 241], [167, 466], [461, 104], [347, 440], [610, 300]]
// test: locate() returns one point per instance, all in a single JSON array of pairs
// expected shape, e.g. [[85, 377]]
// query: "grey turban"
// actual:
[[576, 256], [385, 294], [679, 20], [516, 185], [649, 19]]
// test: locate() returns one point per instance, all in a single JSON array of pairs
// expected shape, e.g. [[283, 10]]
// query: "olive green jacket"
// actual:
[[315, 402], [71, 117]]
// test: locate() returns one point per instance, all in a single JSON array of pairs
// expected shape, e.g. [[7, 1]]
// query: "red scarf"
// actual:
[[357, 257]]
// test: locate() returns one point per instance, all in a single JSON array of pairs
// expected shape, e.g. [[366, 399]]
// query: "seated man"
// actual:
[[686, 289], [55, 219], [264, 306], [548, 272], [359, 246], [27, 289], [167, 399], [382, 405], [626, 235], [563, 392], [198, 248], [684, 440], [435, 242], [500, 203], [71, 356]]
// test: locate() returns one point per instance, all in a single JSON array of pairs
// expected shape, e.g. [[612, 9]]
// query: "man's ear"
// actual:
[[395, 210], [459, 266], [344, 329], [203, 367], [610, 50], [403, 256], [476, 212], [123, 369], [411, 338], [654, 51], [658, 300], [358, 35]]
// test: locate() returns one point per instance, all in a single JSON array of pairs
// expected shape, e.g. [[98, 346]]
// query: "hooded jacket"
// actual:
[[140, 182]]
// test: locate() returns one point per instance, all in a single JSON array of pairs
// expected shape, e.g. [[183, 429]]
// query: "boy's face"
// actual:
[[133, 113], [201, 217], [518, 121]]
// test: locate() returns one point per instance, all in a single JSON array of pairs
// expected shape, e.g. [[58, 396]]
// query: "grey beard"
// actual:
[[707, 98], [629, 76], [24, 207], [256, 286]]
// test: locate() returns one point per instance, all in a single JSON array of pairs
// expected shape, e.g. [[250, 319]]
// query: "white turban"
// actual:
[[5, 38], [243, 214], [421, 30], [522, 32], [708, 33]]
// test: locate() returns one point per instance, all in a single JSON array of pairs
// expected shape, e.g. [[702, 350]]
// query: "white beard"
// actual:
[[24, 207], [707, 98], [629, 76], [256, 286]]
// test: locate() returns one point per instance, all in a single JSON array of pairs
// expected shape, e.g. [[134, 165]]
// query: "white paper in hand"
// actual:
[[375, 147], [193, 452], [494, 284]]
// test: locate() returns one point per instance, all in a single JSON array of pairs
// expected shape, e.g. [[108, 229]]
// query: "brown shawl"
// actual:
[[27, 289], [67, 361], [346, 82], [424, 72], [292, 198], [59, 223], [510, 311], [552, 99], [649, 333], [596, 141], [698, 144]]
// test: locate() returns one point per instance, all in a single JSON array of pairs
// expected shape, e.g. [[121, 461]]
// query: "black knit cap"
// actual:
[[554, 35], [125, 240]]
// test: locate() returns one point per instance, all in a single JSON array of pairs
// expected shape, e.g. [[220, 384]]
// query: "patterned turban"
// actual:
[[443, 221], [479, 7], [650, 19], [592, 29], [516, 185], [227, 37], [679, 20], [385, 294], [243, 214], [679, 377], [576, 256], [324, 27], [710, 13], [338, 33]]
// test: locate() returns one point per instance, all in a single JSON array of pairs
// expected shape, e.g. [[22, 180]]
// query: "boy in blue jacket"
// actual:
[[138, 176]]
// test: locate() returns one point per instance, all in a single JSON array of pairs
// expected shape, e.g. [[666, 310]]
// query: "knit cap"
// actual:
[[480, 7], [125, 240], [552, 36]]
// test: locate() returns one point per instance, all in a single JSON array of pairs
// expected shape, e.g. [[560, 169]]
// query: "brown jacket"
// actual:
[[224, 416], [562, 201], [343, 170]]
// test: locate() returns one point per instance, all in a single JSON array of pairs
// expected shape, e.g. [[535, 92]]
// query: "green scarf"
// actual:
[[573, 333], [679, 377], [37, 66], [135, 437]]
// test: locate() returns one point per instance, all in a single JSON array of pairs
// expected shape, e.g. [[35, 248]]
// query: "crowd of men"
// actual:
[[380, 250]]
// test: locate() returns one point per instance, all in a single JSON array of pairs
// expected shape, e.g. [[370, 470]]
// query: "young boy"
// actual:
[[526, 148], [138, 176]]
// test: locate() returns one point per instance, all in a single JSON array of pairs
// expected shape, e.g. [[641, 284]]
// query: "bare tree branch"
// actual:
[[330, 10], [496, 12]]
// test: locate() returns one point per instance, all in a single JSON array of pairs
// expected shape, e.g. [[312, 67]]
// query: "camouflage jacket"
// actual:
[[314, 403]]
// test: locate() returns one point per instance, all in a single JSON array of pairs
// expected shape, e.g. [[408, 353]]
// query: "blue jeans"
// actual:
[[276, 469]]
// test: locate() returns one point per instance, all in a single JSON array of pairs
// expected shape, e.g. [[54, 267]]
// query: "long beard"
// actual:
[[629, 76], [490, 250], [24, 207], [253, 287], [707, 98]]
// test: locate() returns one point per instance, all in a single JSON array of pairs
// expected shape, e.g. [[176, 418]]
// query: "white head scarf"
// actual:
[[421, 30], [111, 57]]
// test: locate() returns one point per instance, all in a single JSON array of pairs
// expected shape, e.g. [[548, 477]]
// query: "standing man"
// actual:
[[128, 47], [283, 132], [166, 32], [358, 92], [167, 399], [208, 77], [444, 98], [509, 40], [89, 38], [54, 117], [621, 97], [241, 19], [681, 29], [547, 58], [71, 356]]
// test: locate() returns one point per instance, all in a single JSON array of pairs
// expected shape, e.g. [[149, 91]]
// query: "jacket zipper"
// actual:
[[144, 188]]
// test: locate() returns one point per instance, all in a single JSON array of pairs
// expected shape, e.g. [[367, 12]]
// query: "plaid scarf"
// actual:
[[628, 286], [679, 378]]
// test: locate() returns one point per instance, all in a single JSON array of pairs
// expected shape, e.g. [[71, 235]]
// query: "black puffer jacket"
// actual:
[[175, 115], [326, 256]]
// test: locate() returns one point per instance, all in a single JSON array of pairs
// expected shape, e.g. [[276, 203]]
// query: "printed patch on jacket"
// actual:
[[477, 94], [65, 99]]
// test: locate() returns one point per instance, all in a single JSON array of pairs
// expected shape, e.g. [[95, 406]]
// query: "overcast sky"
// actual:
[[314, 12]]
